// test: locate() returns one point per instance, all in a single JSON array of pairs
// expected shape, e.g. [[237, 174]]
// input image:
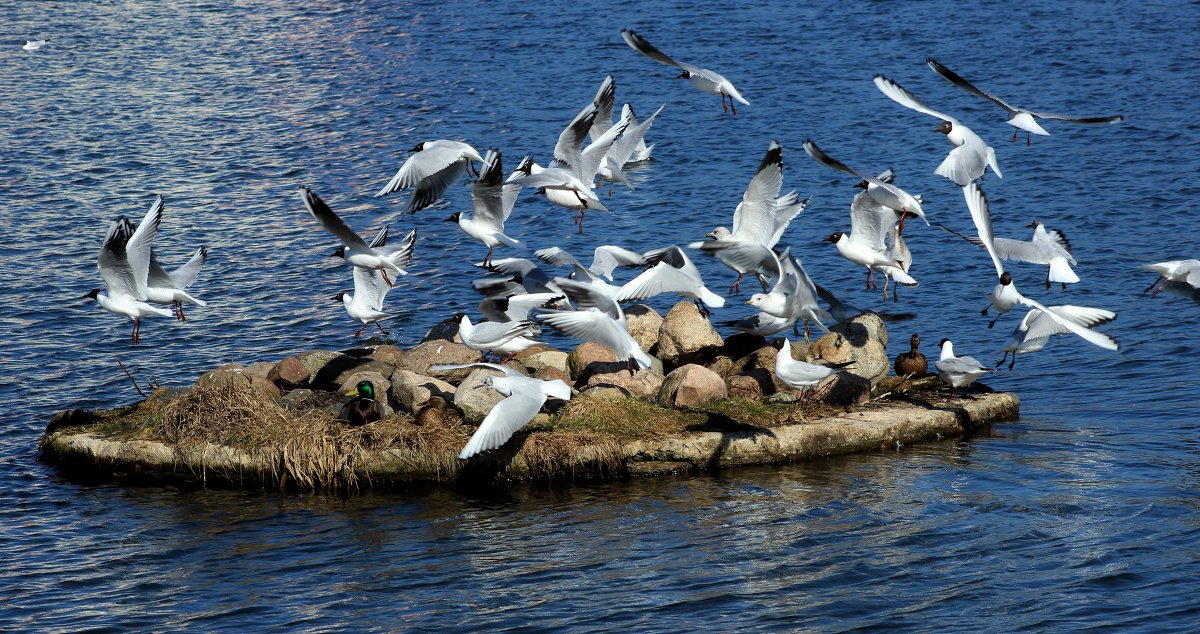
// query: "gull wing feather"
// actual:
[[330, 220], [137, 250], [369, 287], [623, 148], [639, 44], [487, 194], [869, 222], [1091, 336], [607, 257], [787, 207], [1040, 326], [433, 159], [112, 262], [503, 421], [430, 189], [186, 275], [981, 215], [957, 80], [754, 218], [605, 99], [445, 367], [585, 295], [897, 93], [568, 150]]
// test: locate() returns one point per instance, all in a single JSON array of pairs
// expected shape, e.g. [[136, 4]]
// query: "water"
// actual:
[[1081, 515]]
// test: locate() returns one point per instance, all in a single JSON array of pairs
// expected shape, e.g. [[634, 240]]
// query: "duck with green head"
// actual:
[[363, 408]]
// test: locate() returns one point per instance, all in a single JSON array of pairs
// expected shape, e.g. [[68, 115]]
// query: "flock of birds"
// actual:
[[594, 150]]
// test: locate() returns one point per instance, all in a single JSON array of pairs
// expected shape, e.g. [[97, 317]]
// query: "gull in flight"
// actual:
[[605, 99], [1018, 117], [671, 271], [958, 371], [800, 375], [793, 298], [492, 202], [1036, 328], [32, 45], [881, 190], [605, 258], [432, 169], [702, 78], [526, 396], [124, 265], [567, 181], [865, 245], [366, 303], [599, 318], [625, 149], [354, 249], [170, 287], [970, 156], [505, 339], [1004, 295], [758, 222], [1183, 271], [1046, 247]]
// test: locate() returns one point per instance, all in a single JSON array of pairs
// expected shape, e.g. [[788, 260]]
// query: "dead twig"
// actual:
[[131, 379]]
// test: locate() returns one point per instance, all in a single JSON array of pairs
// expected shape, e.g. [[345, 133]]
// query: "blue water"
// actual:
[[1084, 514]]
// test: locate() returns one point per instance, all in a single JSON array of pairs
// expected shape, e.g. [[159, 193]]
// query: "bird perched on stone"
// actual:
[[958, 371], [363, 408], [911, 363]]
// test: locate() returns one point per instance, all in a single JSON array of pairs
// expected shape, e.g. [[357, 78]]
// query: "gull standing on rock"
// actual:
[[366, 303], [504, 339], [1018, 117], [702, 78], [124, 264], [432, 169], [492, 202], [526, 396], [970, 156], [799, 375], [958, 371], [355, 250], [793, 298]]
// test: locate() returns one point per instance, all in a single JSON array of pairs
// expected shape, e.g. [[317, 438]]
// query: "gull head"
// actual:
[[93, 294], [720, 233], [418, 147], [1005, 278], [945, 128], [453, 217], [863, 185], [757, 299], [339, 297], [835, 237], [339, 252], [1034, 224], [684, 75]]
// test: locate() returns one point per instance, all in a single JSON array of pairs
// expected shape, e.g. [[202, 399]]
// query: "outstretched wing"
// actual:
[[957, 80]]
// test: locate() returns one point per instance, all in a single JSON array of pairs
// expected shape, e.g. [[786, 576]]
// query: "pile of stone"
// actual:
[[693, 365]]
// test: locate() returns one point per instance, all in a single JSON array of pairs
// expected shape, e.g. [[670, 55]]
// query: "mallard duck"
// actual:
[[432, 412], [912, 362], [363, 408]]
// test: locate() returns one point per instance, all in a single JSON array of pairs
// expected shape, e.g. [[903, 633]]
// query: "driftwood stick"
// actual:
[[131, 379]]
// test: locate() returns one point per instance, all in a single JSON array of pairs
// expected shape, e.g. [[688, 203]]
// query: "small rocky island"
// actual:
[[706, 403]]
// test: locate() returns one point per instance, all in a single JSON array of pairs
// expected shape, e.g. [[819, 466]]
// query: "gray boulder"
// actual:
[[686, 336]]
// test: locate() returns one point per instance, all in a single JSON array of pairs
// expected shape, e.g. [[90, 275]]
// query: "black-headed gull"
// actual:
[[604, 101], [883, 192], [124, 263], [970, 156], [354, 249], [758, 222], [1183, 271], [870, 224], [670, 271], [605, 258], [1004, 295], [366, 303], [170, 287], [526, 396], [503, 339], [624, 149], [1046, 247], [32, 45], [599, 319], [492, 202], [1018, 117], [702, 78], [793, 298], [1036, 328], [958, 371], [800, 375], [433, 168]]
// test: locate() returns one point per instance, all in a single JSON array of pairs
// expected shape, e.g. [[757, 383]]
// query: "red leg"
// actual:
[[364, 327], [1160, 287], [723, 108], [385, 276], [736, 287], [179, 311]]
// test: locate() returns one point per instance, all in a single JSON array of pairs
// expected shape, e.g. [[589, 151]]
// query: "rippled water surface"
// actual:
[[1083, 514]]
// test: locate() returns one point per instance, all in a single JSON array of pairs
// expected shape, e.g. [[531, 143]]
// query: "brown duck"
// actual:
[[912, 362], [433, 412]]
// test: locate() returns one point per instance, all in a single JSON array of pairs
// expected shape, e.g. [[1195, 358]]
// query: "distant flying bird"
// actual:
[[432, 169], [32, 45], [970, 156], [1018, 117], [702, 78]]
